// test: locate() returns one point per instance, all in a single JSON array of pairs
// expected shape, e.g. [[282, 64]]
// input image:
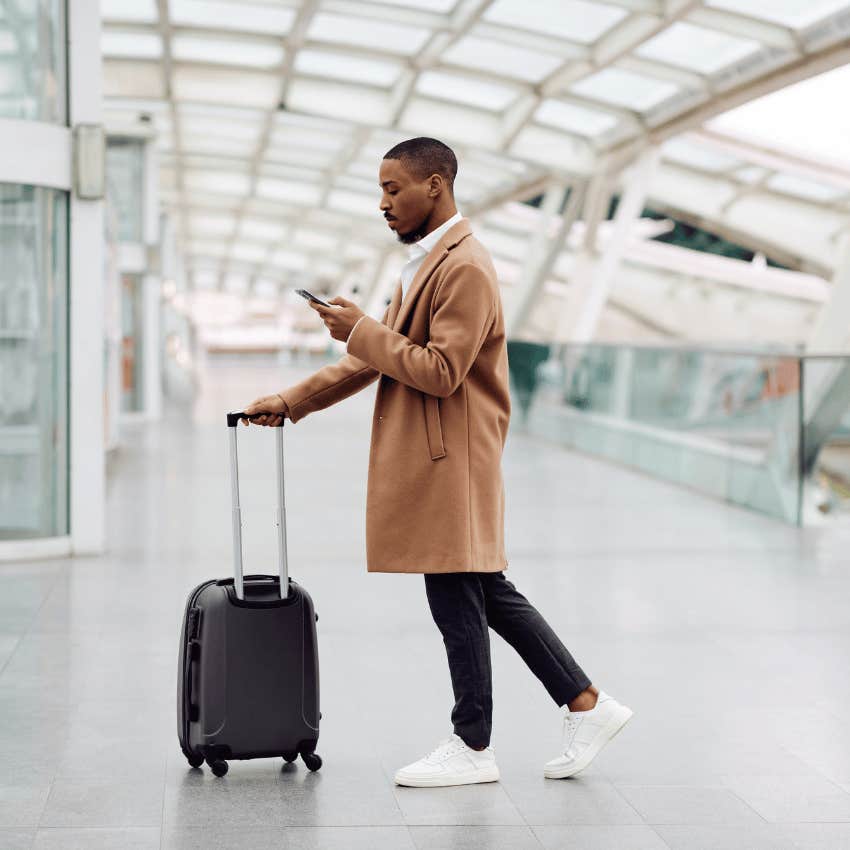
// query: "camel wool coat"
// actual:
[[435, 498]]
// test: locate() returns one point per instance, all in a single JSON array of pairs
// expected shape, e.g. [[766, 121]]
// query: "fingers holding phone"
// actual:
[[272, 408]]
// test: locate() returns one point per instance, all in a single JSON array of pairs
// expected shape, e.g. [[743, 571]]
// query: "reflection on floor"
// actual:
[[728, 634]]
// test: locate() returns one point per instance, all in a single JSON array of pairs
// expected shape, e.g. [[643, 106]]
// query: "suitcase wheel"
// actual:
[[290, 756], [312, 760], [195, 761], [219, 767]]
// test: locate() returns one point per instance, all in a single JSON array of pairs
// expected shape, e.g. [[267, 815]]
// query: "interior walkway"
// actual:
[[727, 633]]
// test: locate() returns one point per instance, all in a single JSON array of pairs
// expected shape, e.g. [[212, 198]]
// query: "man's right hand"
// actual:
[[273, 405]]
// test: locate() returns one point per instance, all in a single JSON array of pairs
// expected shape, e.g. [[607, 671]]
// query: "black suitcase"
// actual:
[[248, 671]]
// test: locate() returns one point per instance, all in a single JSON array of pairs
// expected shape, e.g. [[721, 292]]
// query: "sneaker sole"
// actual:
[[487, 774], [615, 724]]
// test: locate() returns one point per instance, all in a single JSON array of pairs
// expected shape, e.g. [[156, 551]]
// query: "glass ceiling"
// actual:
[[271, 117]]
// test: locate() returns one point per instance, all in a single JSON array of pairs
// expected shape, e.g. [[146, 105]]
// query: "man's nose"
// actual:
[[384, 206]]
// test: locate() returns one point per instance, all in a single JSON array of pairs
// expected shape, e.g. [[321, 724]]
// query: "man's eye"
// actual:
[[394, 193]]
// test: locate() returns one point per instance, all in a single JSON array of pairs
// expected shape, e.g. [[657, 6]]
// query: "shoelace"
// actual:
[[446, 748], [570, 727]]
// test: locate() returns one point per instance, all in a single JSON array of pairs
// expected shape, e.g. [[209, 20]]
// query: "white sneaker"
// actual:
[[585, 734], [451, 762]]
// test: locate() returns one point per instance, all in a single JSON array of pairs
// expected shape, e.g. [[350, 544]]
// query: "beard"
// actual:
[[412, 236]]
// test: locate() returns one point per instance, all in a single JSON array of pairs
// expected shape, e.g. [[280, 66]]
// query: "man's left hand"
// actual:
[[339, 320]]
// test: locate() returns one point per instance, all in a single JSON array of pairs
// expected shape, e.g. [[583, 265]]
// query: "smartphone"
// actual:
[[310, 297]]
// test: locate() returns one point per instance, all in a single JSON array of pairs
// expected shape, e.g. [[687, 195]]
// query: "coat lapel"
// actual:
[[429, 265]]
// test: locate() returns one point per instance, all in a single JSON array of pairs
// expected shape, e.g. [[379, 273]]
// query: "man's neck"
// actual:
[[439, 219]]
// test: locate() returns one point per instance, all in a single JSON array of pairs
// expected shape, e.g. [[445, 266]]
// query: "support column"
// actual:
[[542, 253], [86, 299], [831, 333], [595, 285]]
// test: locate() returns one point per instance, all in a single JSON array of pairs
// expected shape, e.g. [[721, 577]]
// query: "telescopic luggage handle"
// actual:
[[280, 510]]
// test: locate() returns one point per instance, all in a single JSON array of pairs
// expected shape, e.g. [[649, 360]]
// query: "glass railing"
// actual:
[[763, 429]]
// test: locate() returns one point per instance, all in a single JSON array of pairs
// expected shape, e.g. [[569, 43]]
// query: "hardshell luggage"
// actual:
[[248, 671]]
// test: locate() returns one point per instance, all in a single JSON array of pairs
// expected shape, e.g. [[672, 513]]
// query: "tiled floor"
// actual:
[[728, 634]]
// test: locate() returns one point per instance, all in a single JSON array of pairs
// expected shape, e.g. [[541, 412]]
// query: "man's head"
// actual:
[[417, 181]]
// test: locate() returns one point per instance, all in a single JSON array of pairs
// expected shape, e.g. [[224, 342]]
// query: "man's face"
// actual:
[[405, 201]]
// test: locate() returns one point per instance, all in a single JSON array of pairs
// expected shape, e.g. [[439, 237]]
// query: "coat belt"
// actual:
[[433, 427]]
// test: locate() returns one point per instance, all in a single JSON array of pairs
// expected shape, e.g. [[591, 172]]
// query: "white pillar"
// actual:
[[832, 331], [594, 287], [86, 298], [540, 257]]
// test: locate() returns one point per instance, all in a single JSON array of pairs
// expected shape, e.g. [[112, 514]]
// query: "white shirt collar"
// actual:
[[426, 243]]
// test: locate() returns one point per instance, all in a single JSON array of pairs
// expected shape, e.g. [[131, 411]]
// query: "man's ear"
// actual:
[[436, 186]]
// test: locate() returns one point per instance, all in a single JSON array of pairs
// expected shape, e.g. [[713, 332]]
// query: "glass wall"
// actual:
[[763, 430], [33, 362], [125, 185], [33, 60]]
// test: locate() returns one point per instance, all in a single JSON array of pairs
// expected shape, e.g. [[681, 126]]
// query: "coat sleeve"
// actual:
[[330, 384], [463, 309]]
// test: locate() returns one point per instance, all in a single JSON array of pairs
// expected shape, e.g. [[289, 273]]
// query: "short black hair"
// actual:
[[423, 157]]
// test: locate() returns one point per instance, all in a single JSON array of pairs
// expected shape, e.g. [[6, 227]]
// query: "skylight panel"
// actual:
[[355, 203], [211, 225], [218, 145], [246, 88], [314, 240], [442, 6], [529, 66], [203, 162], [207, 247], [284, 171], [210, 200], [220, 182], [480, 93], [298, 156], [247, 252], [450, 122], [245, 17], [625, 88], [290, 191], [792, 13], [577, 20], [261, 230], [254, 54], [750, 174], [356, 69], [574, 118], [697, 48], [810, 190], [697, 156], [133, 79], [137, 45], [364, 32], [203, 125], [312, 122], [287, 259], [141, 11], [367, 105]]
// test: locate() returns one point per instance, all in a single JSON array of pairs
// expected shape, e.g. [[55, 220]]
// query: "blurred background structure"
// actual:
[[664, 186]]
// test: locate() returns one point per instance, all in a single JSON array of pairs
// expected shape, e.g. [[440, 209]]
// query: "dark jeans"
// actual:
[[463, 606]]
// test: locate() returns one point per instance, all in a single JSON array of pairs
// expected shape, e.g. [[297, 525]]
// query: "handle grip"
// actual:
[[233, 418]]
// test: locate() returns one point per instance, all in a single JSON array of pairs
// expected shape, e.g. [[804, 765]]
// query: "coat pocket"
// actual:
[[433, 427]]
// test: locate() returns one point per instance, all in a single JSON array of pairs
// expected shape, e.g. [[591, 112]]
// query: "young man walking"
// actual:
[[435, 497]]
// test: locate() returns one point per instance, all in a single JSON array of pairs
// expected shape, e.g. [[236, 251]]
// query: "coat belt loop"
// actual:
[[433, 427]]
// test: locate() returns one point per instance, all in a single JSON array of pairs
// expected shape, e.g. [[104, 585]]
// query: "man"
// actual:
[[435, 498]]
